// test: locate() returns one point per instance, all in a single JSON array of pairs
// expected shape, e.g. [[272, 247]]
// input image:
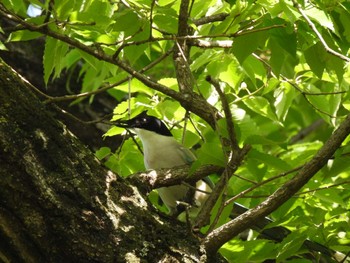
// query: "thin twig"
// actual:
[[303, 93], [151, 19], [49, 11], [228, 114], [319, 35], [243, 193], [226, 232], [107, 87], [196, 129], [100, 120], [323, 188]]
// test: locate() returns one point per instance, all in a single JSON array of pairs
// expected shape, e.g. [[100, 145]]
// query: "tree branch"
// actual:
[[210, 19], [107, 87], [181, 51], [166, 177], [211, 44], [226, 232], [190, 101]]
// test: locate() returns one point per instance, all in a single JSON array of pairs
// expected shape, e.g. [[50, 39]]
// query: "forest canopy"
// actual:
[[257, 88]]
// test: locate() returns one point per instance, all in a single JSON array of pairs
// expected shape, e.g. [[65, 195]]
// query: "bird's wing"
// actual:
[[187, 155]]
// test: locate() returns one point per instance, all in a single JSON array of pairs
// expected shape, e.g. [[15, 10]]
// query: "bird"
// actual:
[[162, 150]]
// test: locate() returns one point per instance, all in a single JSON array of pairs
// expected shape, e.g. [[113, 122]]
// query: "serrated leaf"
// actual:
[[48, 61], [122, 108], [54, 55]]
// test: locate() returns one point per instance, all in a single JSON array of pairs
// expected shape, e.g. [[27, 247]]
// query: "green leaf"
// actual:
[[226, 69], [169, 82], [114, 131], [261, 140], [315, 57], [269, 160], [18, 6], [261, 106], [288, 11], [321, 17], [237, 251], [128, 22], [165, 2], [330, 196], [2, 46], [126, 162], [204, 58], [255, 69], [23, 35], [283, 52], [245, 45], [211, 153], [291, 244], [103, 152], [48, 61], [122, 108], [166, 22], [284, 96]]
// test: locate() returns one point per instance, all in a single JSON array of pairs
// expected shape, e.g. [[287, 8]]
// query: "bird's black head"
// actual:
[[146, 122]]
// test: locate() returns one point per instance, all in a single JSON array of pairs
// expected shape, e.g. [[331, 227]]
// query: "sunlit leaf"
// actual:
[[261, 106]]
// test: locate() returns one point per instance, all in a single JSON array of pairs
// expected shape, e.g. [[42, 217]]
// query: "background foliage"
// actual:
[[282, 66]]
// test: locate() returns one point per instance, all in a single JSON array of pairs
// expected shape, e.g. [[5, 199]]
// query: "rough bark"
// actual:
[[57, 204]]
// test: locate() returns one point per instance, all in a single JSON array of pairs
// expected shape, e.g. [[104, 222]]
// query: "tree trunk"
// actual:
[[58, 204]]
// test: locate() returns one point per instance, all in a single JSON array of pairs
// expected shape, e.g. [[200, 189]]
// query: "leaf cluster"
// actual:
[[280, 65]]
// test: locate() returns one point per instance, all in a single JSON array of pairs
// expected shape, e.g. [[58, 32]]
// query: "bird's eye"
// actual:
[[144, 120]]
